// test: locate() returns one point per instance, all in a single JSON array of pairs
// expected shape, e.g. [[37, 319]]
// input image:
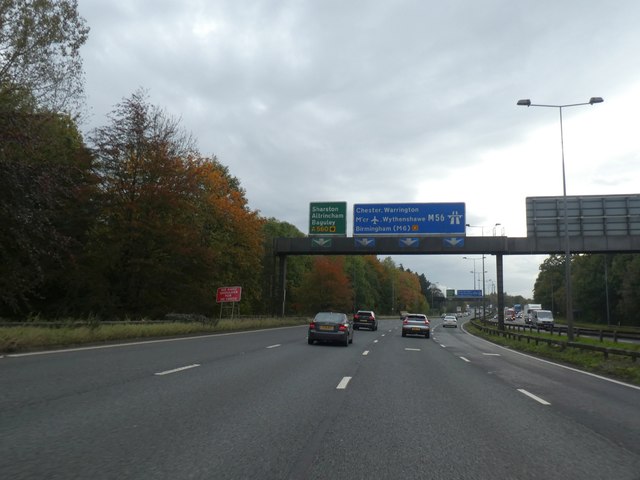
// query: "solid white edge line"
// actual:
[[366, 352], [599, 377], [535, 397], [466, 359], [162, 340], [180, 369], [343, 383]]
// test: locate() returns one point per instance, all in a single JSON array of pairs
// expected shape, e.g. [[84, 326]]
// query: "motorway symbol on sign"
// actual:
[[409, 242], [365, 242], [454, 242], [321, 242], [408, 218]]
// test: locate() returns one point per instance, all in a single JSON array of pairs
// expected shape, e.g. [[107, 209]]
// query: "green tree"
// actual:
[[624, 288], [589, 296], [40, 43], [296, 267], [45, 208], [364, 273], [548, 289]]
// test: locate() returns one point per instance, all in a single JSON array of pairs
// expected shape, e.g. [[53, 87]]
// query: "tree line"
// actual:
[[133, 221], [605, 287]]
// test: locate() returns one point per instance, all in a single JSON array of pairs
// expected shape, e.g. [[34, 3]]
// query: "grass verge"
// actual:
[[617, 367], [27, 338]]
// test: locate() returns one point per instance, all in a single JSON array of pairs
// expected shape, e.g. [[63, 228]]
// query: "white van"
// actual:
[[527, 311], [542, 318]]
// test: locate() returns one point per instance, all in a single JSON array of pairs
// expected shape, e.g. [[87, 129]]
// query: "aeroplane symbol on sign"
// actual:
[[375, 220]]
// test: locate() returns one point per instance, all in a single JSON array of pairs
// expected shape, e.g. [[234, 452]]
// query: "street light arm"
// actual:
[[527, 103], [567, 243]]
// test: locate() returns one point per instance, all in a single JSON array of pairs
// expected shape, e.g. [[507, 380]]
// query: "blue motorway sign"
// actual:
[[408, 218], [469, 293]]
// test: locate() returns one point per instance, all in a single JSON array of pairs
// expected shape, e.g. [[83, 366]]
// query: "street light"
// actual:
[[481, 227], [567, 251], [494, 228], [474, 272]]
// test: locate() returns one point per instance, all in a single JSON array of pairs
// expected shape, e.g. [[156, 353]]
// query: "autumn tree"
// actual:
[[174, 225], [326, 287], [409, 293], [232, 234], [40, 43]]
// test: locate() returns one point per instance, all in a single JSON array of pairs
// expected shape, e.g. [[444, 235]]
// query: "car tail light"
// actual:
[[405, 321], [343, 327], [312, 326]]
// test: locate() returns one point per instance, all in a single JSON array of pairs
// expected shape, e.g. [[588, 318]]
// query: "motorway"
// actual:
[[265, 405]]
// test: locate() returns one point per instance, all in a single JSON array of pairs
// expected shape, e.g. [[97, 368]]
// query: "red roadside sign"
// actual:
[[228, 294]]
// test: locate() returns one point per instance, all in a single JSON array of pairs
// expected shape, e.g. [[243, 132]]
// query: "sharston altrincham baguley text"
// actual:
[[325, 215]]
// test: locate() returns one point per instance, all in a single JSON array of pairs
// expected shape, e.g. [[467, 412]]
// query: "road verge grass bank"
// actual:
[[18, 339], [617, 367]]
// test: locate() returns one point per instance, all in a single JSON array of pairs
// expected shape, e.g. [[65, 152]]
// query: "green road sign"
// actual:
[[328, 218]]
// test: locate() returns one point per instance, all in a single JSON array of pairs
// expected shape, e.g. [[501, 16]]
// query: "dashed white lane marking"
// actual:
[[412, 349], [167, 372], [375, 341], [443, 346], [536, 398], [343, 383], [366, 352], [465, 359], [492, 354], [274, 346]]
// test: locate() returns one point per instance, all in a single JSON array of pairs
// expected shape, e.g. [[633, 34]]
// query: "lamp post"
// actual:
[[494, 228], [474, 274], [567, 250], [481, 227]]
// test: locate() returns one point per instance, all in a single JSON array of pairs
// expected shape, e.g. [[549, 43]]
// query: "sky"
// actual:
[[388, 101]]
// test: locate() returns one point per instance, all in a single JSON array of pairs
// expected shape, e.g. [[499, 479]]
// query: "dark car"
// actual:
[[331, 327], [366, 319], [416, 324]]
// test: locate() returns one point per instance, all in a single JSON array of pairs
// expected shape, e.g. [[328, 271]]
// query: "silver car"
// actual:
[[331, 327], [416, 324], [450, 321]]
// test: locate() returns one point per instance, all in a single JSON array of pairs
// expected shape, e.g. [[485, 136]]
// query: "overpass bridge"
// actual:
[[447, 245], [590, 224]]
